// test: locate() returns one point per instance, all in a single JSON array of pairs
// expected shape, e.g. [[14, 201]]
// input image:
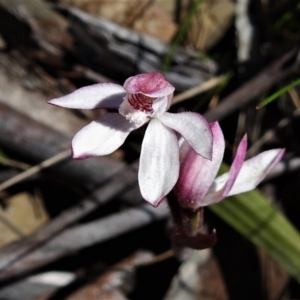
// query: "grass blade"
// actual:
[[253, 216]]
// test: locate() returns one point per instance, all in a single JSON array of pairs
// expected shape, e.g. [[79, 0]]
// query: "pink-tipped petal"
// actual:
[[151, 84], [197, 173], [254, 171], [193, 128], [101, 95], [102, 136], [223, 184], [159, 162]]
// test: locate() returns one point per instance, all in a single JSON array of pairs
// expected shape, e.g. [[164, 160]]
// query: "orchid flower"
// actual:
[[143, 98], [197, 186]]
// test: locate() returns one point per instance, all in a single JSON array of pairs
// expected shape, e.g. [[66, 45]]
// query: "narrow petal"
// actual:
[[254, 171], [151, 84], [102, 136], [161, 105], [101, 95], [159, 162], [223, 184], [197, 173], [193, 128]]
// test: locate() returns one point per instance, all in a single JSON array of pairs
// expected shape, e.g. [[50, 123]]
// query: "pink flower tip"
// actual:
[[151, 84], [157, 202], [81, 156]]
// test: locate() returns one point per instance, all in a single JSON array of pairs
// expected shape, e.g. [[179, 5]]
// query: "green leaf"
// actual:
[[278, 93], [180, 35], [257, 219]]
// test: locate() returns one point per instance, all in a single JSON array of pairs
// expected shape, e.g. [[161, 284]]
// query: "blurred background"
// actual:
[[80, 229]]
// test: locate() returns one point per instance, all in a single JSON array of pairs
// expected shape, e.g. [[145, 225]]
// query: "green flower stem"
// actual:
[[187, 221], [191, 221], [195, 221]]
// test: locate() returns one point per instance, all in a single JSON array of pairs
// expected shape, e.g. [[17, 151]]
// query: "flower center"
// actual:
[[141, 102]]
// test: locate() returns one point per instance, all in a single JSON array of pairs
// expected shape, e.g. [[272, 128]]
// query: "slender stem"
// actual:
[[175, 209], [186, 221], [191, 221]]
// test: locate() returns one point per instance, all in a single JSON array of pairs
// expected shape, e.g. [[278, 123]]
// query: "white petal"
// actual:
[[193, 128], [101, 95], [159, 162], [254, 170], [102, 136], [251, 173]]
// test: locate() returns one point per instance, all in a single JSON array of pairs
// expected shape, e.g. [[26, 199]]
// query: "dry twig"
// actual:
[[198, 89], [255, 87], [79, 237], [34, 170]]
